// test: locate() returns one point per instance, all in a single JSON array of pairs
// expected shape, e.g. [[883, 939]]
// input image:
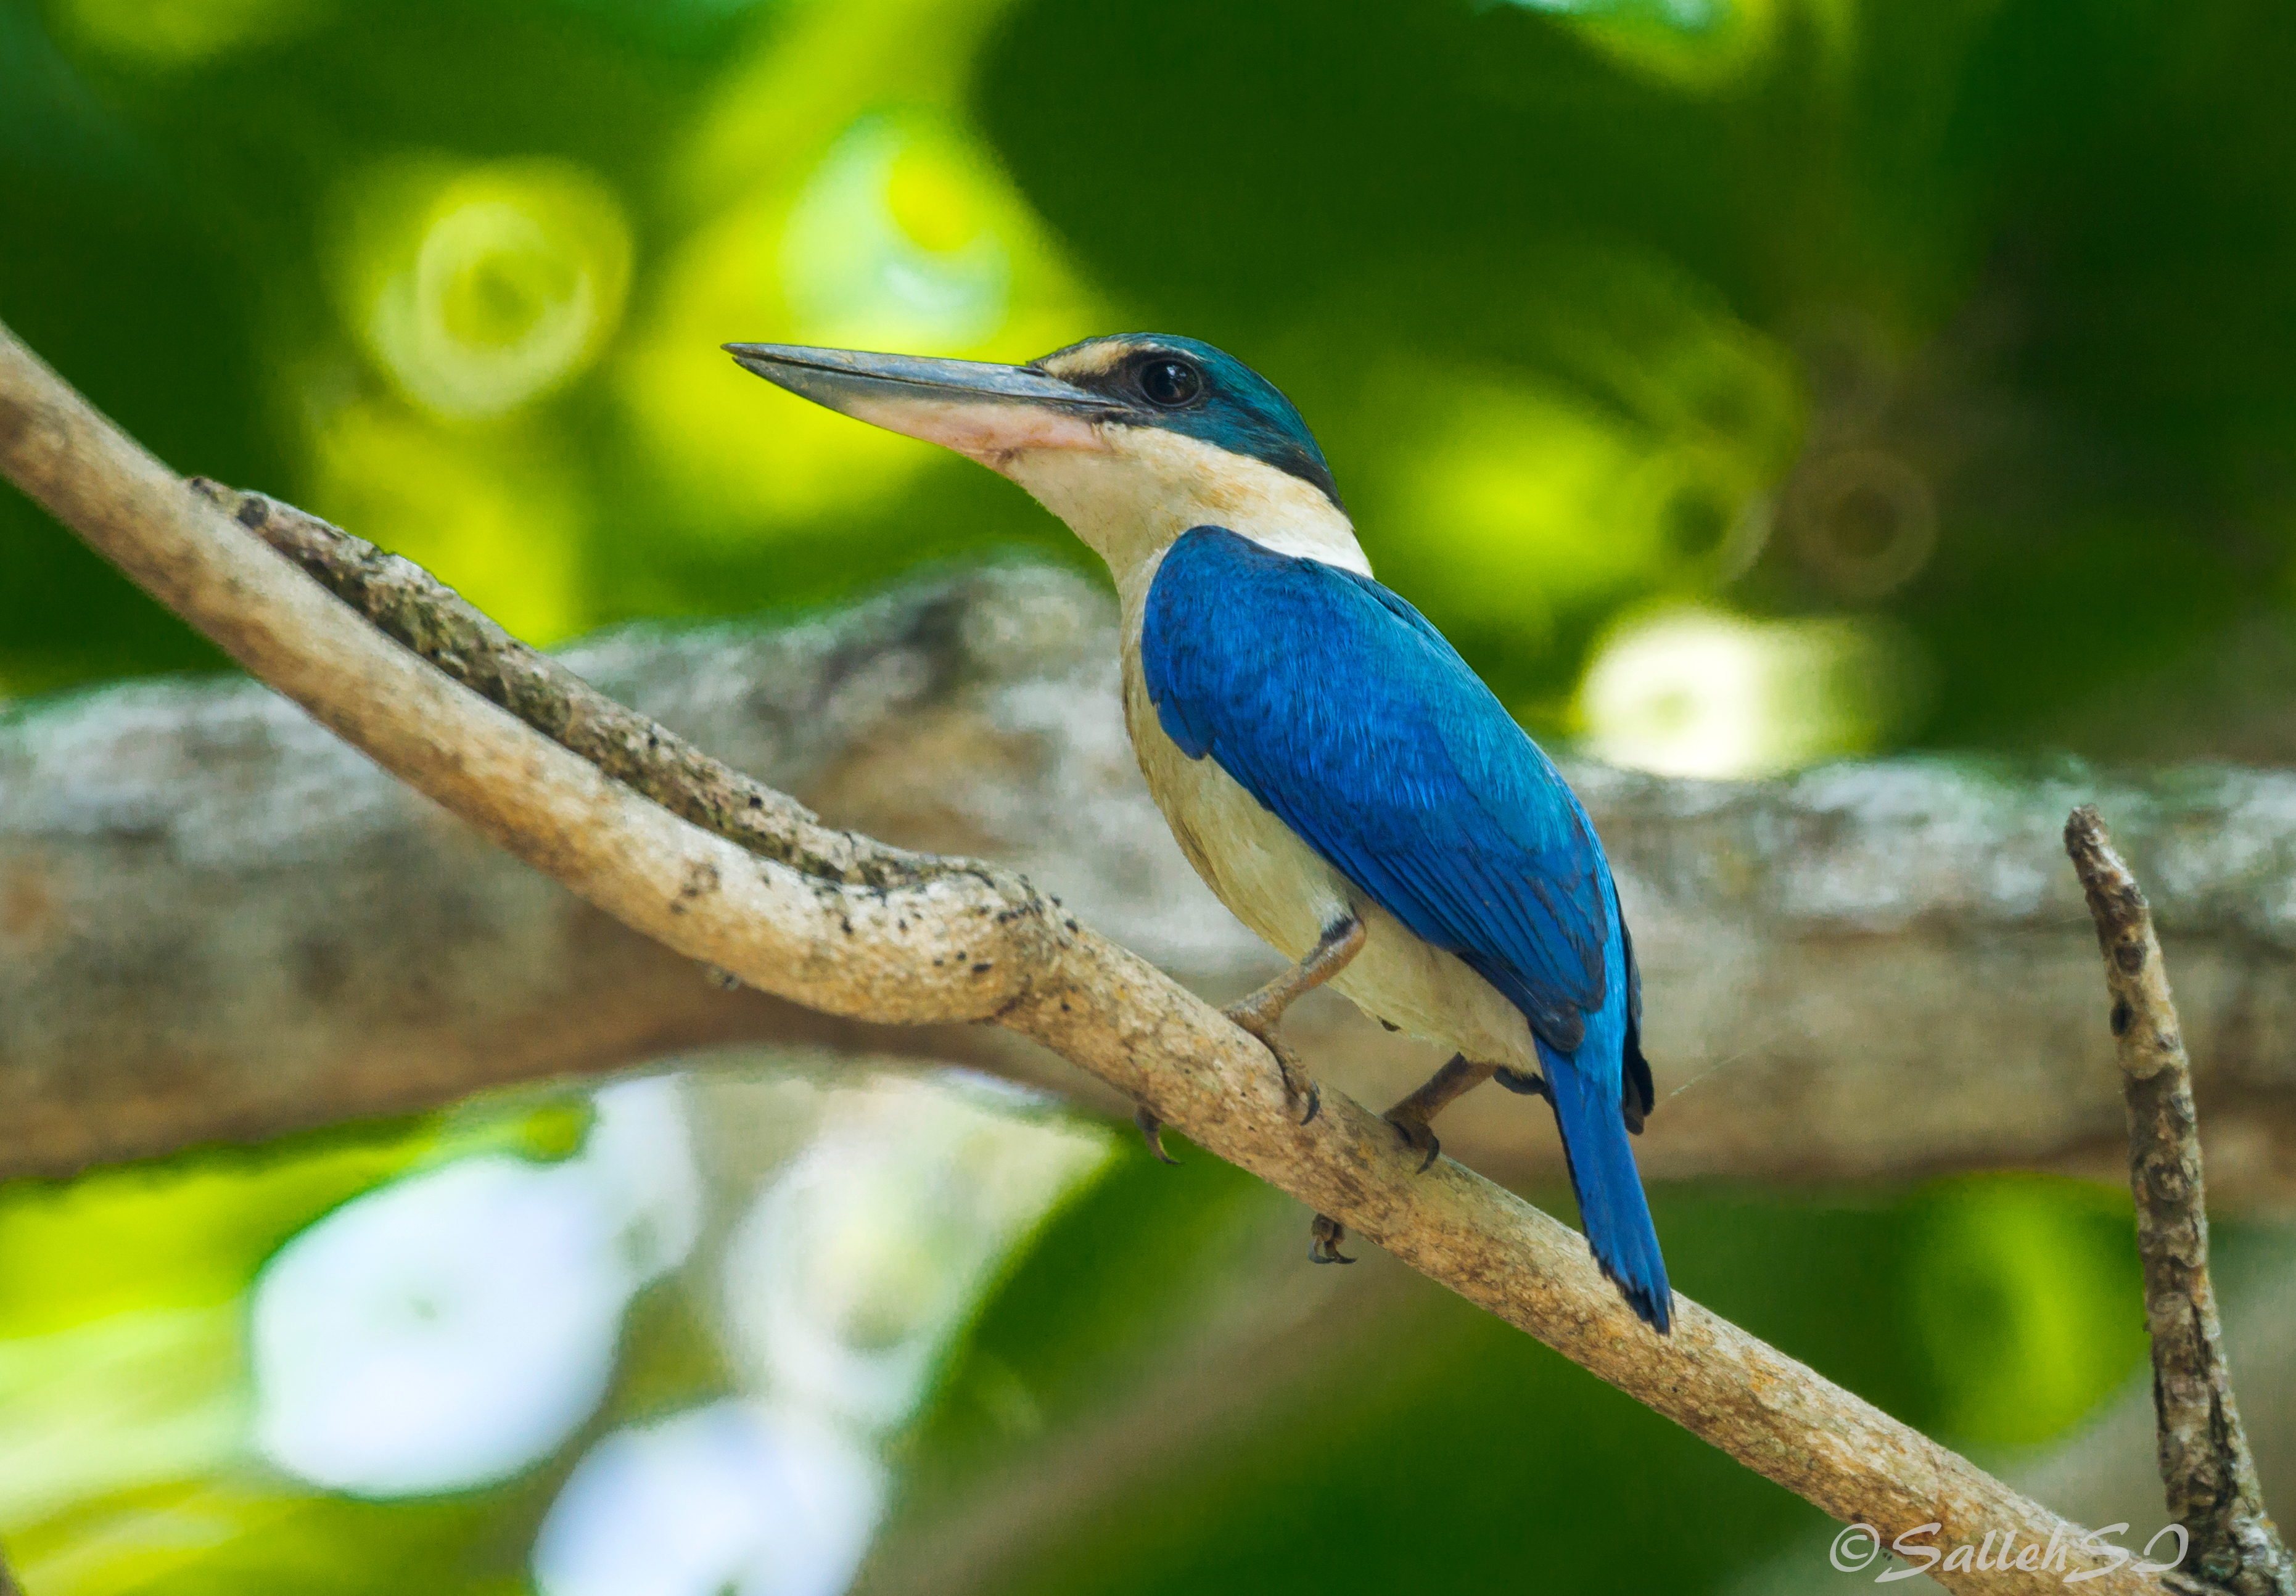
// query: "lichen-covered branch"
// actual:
[[433, 620], [2205, 1462], [973, 947]]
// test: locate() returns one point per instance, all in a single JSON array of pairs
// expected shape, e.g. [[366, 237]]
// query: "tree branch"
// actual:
[[964, 946], [2205, 1462], [212, 913], [433, 620]]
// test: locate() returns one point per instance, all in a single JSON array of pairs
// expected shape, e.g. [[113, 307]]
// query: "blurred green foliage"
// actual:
[[1397, 1436], [1963, 325], [1739, 382]]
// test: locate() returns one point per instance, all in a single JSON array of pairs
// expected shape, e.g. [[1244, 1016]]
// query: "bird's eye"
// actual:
[[1170, 383]]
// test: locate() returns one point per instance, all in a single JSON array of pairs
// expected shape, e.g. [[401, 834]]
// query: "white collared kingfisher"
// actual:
[[1334, 770]]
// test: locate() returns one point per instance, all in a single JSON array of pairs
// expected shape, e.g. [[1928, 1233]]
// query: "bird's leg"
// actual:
[[1411, 1116], [1263, 1010], [1260, 1014], [1410, 1119]]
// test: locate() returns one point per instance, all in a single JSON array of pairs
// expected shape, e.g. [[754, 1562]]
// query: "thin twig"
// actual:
[[989, 947], [2205, 1463]]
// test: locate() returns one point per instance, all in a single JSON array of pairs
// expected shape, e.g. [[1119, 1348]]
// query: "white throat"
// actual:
[[1130, 497]]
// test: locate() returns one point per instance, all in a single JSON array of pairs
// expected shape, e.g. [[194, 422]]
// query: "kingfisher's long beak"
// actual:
[[990, 412]]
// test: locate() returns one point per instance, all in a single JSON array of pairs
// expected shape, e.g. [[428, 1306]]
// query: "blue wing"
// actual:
[[1336, 704]]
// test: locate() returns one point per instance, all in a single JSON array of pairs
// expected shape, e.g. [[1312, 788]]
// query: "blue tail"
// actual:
[[1609, 1187]]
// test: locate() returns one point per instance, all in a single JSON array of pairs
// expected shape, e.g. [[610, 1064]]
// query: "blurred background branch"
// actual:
[[1856, 954]]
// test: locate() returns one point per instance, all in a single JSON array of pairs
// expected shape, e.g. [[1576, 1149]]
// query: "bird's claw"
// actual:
[[1298, 1085], [1324, 1236], [1521, 1083], [1417, 1134], [1152, 1131]]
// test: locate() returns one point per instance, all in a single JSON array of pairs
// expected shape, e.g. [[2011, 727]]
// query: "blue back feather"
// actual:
[[1338, 707]]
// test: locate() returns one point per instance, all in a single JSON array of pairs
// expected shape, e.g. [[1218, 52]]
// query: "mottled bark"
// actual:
[[213, 914], [640, 753], [987, 946], [2205, 1463], [219, 921]]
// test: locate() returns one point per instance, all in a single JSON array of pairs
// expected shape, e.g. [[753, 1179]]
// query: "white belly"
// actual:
[[1285, 892]]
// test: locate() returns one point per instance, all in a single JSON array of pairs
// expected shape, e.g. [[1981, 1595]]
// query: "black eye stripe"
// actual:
[[1231, 406]]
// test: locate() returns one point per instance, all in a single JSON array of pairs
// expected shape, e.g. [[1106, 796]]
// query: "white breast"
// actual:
[[1285, 892]]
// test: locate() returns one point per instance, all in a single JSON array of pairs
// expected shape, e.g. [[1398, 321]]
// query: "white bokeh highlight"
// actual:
[[849, 1279], [454, 1328], [1703, 692], [727, 1497], [846, 1286]]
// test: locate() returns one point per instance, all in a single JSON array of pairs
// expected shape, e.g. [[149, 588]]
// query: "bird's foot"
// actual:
[[1152, 1131], [1414, 1118], [1415, 1133], [1323, 1238], [1297, 1084], [1520, 1082]]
